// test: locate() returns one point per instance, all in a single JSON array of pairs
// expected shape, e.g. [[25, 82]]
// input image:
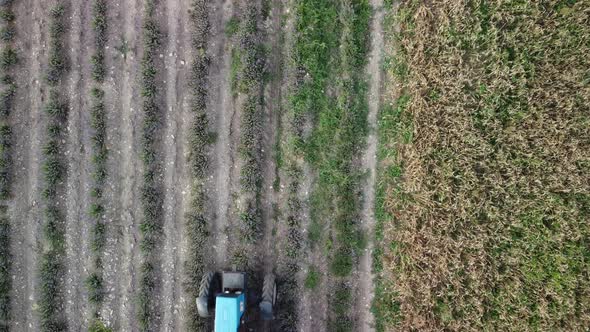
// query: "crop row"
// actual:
[[290, 163], [315, 41], [52, 268], [7, 60], [95, 280], [251, 80], [333, 50], [196, 222], [288, 270], [151, 193]]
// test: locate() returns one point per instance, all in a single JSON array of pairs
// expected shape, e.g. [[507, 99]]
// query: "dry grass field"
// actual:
[[484, 180]]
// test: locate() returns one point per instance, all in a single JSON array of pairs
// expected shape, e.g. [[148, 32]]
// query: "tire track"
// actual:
[[24, 208], [176, 173], [272, 110], [78, 165], [122, 100], [222, 119], [369, 164]]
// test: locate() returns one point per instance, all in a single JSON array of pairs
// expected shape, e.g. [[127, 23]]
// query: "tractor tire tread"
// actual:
[[205, 286], [269, 289]]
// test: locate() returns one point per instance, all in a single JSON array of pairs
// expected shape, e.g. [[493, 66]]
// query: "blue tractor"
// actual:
[[227, 298]]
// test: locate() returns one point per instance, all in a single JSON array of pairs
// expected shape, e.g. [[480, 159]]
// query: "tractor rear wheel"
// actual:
[[208, 288], [269, 297]]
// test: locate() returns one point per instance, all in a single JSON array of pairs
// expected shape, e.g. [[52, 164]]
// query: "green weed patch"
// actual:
[[331, 51]]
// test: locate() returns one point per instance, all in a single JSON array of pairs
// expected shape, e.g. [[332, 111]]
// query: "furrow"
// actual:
[[28, 124], [176, 174], [77, 153], [369, 164]]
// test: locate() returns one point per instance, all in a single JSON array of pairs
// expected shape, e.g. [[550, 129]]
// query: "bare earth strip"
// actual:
[[27, 122], [78, 161], [122, 100], [220, 114], [272, 108], [176, 173], [369, 163]]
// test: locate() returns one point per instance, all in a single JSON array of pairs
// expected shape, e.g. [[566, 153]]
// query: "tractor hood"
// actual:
[[229, 309]]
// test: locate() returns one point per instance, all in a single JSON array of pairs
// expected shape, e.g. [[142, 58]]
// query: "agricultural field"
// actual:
[[396, 165], [483, 197], [144, 143]]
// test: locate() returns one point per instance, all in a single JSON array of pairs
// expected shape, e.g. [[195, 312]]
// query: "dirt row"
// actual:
[[28, 125], [365, 274], [222, 120]]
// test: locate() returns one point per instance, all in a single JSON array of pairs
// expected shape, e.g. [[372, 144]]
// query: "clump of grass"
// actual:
[[99, 25], [5, 160], [250, 142], [52, 269], [57, 58], [7, 96], [7, 33], [485, 221], [232, 26], [98, 326], [312, 278], [6, 15], [8, 58]]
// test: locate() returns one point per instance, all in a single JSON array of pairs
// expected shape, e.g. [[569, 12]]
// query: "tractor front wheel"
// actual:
[[208, 288], [269, 297]]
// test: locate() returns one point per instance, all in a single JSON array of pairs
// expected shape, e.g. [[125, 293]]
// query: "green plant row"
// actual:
[[251, 82], [289, 292], [97, 208], [95, 280], [57, 63], [99, 25], [316, 39], [151, 194], [51, 266], [200, 138], [5, 269], [332, 52], [8, 58]]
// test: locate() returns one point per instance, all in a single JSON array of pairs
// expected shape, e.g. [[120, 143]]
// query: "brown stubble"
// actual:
[[473, 183]]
